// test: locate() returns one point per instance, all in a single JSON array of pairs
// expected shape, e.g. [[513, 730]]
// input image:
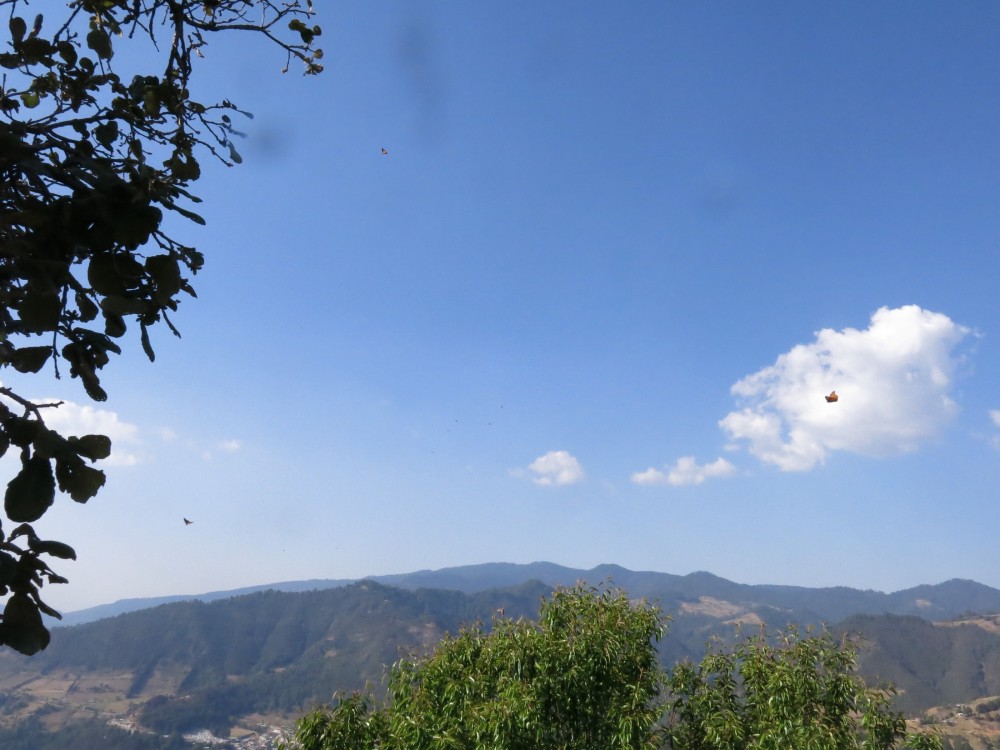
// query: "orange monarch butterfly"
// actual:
[[384, 152], [832, 397]]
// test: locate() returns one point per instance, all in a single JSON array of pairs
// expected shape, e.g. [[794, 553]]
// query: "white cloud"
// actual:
[[995, 416], [892, 378], [226, 446], [556, 468], [685, 471], [70, 418], [650, 476]]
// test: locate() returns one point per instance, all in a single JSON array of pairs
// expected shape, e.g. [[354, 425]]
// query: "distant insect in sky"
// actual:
[[384, 152], [832, 397], [187, 522]]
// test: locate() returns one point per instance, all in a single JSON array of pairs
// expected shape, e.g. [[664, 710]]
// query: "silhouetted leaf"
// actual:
[[68, 53], [106, 133], [56, 549], [166, 273], [114, 325], [30, 358], [82, 482], [88, 309], [99, 41], [18, 28], [31, 492], [146, 346], [94, 447], [22, 627]]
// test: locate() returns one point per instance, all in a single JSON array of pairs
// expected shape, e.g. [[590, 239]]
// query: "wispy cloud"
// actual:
[[231, 446], [555, 468], [893, 380], [686, 471], [994, 439]]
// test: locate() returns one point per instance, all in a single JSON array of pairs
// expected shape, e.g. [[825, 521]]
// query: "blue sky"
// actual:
[[585, 310]]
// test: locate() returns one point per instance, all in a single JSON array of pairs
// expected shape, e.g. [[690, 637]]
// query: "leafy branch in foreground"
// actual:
[[92, 159]]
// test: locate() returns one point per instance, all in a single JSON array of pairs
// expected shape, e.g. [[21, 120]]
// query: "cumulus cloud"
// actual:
[[685, 471], [555, 468], [70, 418], [893, 380]]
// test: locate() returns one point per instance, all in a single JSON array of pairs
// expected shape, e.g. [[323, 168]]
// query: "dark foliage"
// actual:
[[93, 157]]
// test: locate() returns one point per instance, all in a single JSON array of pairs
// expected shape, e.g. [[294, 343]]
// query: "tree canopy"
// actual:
[[587, 676], [779, 693], [93, 157]]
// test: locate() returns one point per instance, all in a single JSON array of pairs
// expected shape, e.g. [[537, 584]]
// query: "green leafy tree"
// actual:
[[93, 158], [586, 676], [792, 693]]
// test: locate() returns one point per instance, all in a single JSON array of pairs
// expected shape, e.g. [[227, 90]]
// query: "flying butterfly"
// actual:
[[384, 152], [832, 398]]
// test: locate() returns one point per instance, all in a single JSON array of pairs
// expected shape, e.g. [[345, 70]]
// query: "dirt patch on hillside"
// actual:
[[707, 605], [989, 623]]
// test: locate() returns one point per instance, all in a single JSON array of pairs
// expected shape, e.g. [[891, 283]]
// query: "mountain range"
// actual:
[[234, 660], [932, 602]]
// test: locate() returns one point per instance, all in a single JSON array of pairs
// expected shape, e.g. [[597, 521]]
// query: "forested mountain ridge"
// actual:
[[208, 665], [932, 602]]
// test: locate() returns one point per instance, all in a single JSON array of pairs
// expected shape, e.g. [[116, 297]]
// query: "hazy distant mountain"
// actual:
[[931, 602], [120, 607]]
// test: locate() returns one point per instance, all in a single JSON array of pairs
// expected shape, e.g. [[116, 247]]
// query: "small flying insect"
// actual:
[[832, 398], [187, 522], [384, 152]]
